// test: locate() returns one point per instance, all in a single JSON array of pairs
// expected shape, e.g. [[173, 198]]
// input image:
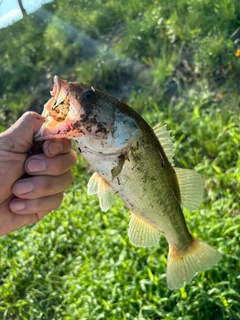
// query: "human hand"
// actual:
[[27, 200]]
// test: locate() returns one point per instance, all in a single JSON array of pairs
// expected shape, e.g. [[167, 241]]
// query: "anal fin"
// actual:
[[142, 234], [98, 185]]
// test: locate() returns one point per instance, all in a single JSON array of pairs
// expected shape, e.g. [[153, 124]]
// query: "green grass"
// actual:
[[78, 263], [175, 63]]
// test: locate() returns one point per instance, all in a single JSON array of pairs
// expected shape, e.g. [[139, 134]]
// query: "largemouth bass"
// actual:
[[133, 161]]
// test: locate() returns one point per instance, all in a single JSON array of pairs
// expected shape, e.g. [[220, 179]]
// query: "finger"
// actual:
[[16, 221], [52, 148], [10, 221], [42, 165], [19, 137], [36, 206], [41, 186]]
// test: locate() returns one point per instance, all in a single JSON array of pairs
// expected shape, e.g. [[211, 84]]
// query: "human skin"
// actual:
[[31, 185]]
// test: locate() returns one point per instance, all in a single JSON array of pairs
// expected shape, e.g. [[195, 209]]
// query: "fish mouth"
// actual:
[[61, 112], [58, 106]]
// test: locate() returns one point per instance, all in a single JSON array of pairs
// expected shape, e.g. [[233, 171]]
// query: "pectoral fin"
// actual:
[[142, 234], [98, 185], [191, 188]]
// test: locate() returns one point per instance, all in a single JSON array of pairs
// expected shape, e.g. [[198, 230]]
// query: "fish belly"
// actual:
[[142, 182]]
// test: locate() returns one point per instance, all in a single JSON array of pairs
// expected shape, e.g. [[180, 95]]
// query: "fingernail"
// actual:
[[35, 165], [22, 187], [17, 205], [55, 147]]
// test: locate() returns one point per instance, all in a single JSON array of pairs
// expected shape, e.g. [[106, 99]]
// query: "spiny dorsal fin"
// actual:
[[97, 185], [191, 188], [142, 234], [166, 141]]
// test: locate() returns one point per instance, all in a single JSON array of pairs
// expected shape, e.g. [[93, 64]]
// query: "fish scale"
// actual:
[[133, 161]]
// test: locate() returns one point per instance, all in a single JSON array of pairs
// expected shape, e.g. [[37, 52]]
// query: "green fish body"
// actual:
[[133, 161]]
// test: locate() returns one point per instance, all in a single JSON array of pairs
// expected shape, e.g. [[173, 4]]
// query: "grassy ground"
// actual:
[[175, 62], [78, 263]]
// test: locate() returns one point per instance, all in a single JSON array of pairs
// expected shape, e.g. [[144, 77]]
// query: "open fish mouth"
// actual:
[[61, 113], [58, 106]]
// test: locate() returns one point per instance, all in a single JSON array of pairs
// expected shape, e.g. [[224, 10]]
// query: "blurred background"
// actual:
[[175, 62]]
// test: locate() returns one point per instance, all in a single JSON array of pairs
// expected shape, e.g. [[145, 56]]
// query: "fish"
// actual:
[[135, 162]]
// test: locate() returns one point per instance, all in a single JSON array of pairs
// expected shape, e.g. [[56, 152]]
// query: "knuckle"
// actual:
[[30, 116], [44, 183], [61, 163], [66, 145], [46, 204], [57, 166]]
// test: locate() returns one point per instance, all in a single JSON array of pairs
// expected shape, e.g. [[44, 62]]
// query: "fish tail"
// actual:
[[183, 265]]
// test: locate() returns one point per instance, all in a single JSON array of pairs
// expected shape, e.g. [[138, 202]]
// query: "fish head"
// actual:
[[79, 112]]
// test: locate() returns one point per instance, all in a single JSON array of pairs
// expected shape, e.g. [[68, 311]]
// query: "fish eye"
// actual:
[[88, 95]]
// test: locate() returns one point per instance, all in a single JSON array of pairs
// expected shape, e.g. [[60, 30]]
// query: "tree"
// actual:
[[24, 12]]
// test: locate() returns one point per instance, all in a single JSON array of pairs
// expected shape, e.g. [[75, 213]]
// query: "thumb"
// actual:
[[19, 137]]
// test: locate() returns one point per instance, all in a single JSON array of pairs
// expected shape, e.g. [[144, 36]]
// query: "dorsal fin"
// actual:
[[165, 140], [191, 188], [106, 194]]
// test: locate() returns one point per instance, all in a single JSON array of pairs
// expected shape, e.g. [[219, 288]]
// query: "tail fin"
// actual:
[[182, 266]]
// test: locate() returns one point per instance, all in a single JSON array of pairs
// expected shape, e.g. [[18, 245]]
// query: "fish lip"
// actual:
[[56, 86], [39, 138]]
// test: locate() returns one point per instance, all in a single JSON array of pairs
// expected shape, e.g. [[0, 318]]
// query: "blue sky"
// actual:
[[10, 11]]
